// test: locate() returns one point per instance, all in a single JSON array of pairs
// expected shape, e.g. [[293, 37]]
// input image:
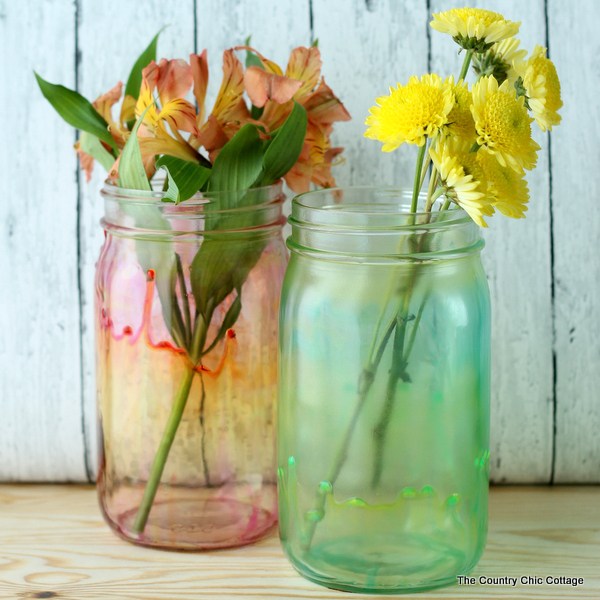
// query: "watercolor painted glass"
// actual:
[[384, 393], [186, 426]]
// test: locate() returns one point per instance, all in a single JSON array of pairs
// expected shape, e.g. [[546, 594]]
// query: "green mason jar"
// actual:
[[384, 393]]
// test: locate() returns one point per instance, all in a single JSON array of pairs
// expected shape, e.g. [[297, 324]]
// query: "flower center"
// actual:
[[505, 123]]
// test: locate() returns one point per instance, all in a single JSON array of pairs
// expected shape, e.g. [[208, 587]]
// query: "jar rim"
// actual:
[[372, 223], [265, 195], [311, 209]]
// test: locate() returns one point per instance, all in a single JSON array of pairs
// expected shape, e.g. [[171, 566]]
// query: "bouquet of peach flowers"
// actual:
[[282, 132]]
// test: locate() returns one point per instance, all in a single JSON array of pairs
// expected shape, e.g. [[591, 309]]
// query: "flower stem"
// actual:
[[465, 66], [431, 197], [160, 459], [187, 319], [397, 372], [365, 382], [417, 181], [424, 170]]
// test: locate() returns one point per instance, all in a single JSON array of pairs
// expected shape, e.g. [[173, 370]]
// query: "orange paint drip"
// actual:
[[230, 346], [107, 322], [145, 325]]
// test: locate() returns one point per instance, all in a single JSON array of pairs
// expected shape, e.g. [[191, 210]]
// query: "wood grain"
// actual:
[[575, 188], [40, 391], [53, 540]]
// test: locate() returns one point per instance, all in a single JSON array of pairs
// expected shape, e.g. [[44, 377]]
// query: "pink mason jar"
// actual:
[[187, 300]]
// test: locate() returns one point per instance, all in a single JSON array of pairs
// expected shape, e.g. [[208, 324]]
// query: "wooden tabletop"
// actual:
[[54, 544]]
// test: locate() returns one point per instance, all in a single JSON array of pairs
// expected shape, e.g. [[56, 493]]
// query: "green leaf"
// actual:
[[185, 177], [135, 77], [132, 174], [222, 265], [225, 259], [284, 148], [238, 164], [91, 145], [229, 320], [76, 110]]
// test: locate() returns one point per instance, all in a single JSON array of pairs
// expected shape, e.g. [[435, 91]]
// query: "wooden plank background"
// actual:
[[543, 271]]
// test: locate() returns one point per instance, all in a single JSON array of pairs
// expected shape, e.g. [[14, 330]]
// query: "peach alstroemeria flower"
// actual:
[[274, 91], [169, 116], [170, 80], [230, 111], [323, 109]]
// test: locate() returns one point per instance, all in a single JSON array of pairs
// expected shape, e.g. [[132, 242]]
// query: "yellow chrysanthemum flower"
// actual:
[[504, 60], [503, 124], [411, 112], [509, 52], [506, 188], [542, 88], [474, 28], [460, 118], [462, 179]]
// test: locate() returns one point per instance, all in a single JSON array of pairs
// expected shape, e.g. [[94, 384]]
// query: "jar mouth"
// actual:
[[144, 213], [365, 222], [212, 201], [369, 208]]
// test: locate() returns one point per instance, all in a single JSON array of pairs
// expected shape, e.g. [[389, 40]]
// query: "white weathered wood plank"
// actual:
[[575, 187], [40, 428], [517, 261], [108, 48], [366, 47]]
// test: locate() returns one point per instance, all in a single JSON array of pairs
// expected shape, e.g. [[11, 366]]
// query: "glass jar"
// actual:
[[187, 299], [384, 393]]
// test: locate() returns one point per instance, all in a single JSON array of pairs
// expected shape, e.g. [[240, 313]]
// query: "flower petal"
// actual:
[[127, 109], [324, 107], [232, 87], [199, 64], [86, 161], [165, 144], [180, 115], [171, 78], [211, 135], [104, 103], [262, 86], [305, 65]]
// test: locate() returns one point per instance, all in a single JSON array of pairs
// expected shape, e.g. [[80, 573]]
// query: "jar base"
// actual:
[[194, 519], [384, 564]]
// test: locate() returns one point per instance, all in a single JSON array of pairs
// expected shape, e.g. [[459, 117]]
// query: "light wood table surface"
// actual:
[[54, 544]]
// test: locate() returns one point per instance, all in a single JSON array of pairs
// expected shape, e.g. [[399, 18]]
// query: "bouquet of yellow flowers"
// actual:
[[477, 138], [475, 146]]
